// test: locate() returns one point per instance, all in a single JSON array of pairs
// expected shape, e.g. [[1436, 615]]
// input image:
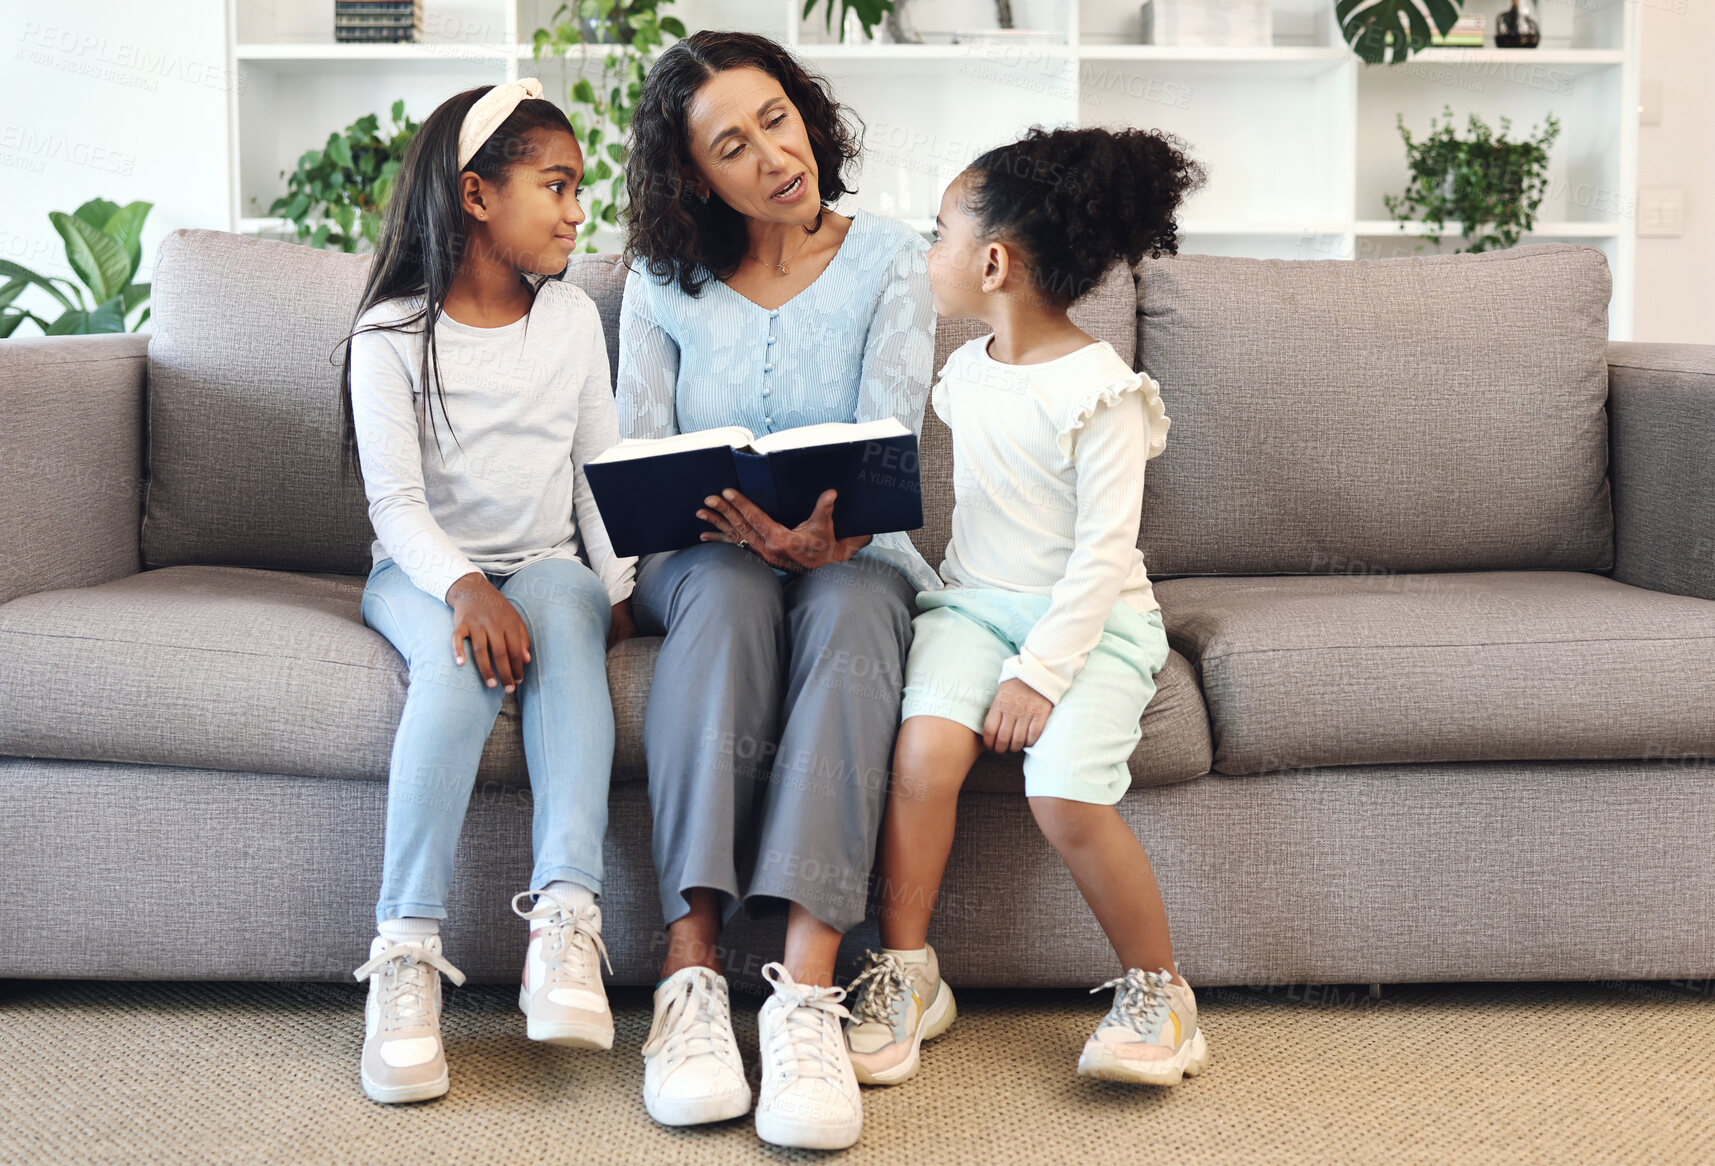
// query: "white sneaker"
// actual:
[[403, 1059], [692, 1072], [809, 1093], [561, 994]]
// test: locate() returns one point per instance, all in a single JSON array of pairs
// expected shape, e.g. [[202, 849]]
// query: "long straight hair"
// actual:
[[424, 236]]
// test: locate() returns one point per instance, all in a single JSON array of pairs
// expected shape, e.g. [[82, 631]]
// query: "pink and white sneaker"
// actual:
[[561, 995], [1150, 1036]]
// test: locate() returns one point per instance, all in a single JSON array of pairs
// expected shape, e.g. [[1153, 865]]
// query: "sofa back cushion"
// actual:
[[244, 418], [244, 422], [1419, 414]]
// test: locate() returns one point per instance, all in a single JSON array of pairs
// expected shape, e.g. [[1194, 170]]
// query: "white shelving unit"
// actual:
[[1299, 137]]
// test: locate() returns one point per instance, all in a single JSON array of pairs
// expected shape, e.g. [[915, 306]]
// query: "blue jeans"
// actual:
[[449, 711]]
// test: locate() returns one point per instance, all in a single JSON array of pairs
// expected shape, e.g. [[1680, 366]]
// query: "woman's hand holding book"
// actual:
[[801, 548]]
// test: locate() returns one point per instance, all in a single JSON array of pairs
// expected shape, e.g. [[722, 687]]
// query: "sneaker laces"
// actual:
[[689, 1021], [876, 991], [576, 929], [1140, 999], [407, 973], [804, 1043]]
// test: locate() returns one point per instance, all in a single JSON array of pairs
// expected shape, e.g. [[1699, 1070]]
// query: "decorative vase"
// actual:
[[899, 27], [1518, 27]]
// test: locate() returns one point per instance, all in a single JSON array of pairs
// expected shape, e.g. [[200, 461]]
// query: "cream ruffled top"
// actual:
[[1048, 468]]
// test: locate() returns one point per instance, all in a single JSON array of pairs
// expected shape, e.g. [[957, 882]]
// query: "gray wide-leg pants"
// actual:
[[770, 727]]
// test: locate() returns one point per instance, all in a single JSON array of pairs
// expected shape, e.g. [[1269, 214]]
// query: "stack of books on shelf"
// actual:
[[377, 22], [1467, 31]]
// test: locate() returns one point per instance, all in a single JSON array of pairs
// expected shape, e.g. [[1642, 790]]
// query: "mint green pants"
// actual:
[[963, 635]]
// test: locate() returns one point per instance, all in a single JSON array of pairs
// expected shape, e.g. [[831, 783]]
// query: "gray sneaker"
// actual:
[[895, 1007], [402, 1055]]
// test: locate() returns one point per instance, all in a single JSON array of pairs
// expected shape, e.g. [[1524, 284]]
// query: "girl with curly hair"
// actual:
[[770, 723], [1047, 636]]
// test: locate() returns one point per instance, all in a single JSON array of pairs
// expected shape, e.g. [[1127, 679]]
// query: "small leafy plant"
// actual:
[[1487, 183], [870, 13], [335, 196], [628, 31], [103, 248]]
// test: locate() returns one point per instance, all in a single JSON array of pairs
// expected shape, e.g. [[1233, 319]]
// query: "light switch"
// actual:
[[1661, 213], [1649, 101]]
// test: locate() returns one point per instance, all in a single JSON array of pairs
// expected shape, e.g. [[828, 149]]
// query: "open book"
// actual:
[[650, 489]]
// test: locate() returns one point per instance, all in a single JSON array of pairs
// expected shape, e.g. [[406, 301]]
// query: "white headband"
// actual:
[[491, 109]]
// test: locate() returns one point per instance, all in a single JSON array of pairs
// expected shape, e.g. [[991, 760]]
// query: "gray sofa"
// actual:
[[1437, 560]]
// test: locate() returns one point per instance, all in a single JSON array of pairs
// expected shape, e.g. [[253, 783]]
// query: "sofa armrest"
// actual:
[[1661, 432], [71, 460]]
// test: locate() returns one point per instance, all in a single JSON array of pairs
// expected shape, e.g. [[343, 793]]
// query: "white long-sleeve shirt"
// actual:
[[1048, 463], [529, 403]]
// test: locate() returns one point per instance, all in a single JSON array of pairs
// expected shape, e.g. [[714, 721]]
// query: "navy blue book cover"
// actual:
[[649, 504]]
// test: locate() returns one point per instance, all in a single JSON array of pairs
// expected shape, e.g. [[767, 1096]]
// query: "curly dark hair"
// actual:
[[678, 235], [1073, 200]]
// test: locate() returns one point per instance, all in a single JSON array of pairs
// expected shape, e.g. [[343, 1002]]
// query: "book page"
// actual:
[[830, 433], [735, 436]]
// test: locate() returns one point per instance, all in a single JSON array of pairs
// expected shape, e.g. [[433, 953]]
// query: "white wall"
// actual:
[[116, 99], [1676, 277]]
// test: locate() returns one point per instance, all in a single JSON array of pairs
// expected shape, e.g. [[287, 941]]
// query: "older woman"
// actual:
[[775, 703]]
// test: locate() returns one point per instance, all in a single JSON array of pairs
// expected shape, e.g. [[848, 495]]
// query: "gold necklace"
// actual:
[[781, 266]]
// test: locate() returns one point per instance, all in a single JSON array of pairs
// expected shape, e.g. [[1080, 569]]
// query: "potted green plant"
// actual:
[[1487, 183], [1374, 28], [869, 13], [335, 195], [627, 32], [103, 243]]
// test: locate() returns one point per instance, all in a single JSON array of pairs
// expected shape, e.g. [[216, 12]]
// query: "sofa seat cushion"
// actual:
[[1486, 666], [233, 668], [1175, 745], [274, 672]]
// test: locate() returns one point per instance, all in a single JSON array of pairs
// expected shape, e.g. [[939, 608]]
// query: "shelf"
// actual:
[[1562, 229], [1294, 228], [312, 57], [1299, 144], [1590, 58], [998, 50], [1320, 55]]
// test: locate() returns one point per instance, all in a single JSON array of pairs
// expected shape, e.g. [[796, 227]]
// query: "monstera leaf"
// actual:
[[1367, 23]]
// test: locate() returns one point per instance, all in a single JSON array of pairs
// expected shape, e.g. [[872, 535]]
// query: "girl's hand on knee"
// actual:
[[623, 627], [499, 641], [1016, 718]]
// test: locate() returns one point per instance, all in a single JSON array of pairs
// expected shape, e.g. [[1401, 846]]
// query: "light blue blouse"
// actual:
[[856, 345]]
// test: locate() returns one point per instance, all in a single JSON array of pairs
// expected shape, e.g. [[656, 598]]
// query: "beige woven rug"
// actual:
[[118, 1072]]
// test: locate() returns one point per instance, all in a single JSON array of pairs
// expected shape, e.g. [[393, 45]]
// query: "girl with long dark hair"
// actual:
[[476, 386]]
